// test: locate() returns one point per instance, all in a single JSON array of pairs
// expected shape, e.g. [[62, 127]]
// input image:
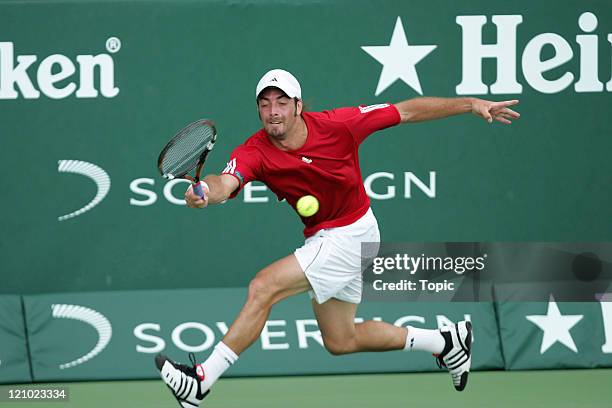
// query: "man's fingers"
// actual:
[[506, 111], [503, 104], [497, 110], [504, 117], [502, 120], [193, 200], [189, 193], [199, 203], [486, 114], [512, 113]]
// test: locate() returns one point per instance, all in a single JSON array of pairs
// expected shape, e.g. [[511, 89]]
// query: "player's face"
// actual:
[[278, 112]]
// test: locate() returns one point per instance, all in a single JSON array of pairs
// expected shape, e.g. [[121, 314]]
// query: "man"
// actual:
[[299, 153]]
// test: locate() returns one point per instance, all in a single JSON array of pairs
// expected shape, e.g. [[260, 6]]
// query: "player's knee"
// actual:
[[338, 348], [260, 291]]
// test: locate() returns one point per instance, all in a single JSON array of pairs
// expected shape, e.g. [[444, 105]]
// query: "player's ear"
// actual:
[[299, 105], [258, 111]]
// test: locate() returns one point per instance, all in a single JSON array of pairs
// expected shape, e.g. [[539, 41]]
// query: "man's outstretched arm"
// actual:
[[430, 108]]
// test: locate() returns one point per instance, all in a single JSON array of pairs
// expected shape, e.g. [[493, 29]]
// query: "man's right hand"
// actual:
[[195, 201]]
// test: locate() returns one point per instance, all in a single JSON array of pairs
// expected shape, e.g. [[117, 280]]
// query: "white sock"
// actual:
[[425, 340], [215, 365]]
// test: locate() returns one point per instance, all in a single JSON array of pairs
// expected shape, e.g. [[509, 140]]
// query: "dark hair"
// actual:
[[305, 107]]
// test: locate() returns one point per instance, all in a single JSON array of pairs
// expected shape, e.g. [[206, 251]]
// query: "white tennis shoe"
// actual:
[[183, 381], [457, 353]]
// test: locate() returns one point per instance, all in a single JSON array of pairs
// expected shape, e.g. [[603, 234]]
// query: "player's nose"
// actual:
[[274, 110]]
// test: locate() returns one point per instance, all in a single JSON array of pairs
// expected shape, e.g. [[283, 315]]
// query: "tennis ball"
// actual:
[[307, 206]]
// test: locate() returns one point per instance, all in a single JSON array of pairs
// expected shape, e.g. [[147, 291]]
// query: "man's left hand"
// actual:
[[495, 110]]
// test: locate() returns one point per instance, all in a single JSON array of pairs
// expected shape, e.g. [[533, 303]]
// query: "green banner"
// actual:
[[91, 91], [84, 336], [556, 335], [14, 358], [81, 336]]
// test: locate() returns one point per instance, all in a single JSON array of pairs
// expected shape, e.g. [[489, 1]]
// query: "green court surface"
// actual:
[[499, 389]]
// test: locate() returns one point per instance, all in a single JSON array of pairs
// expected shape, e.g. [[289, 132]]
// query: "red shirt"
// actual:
[[326, 166]]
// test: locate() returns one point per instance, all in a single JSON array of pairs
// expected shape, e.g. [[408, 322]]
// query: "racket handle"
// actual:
[[197, 190]]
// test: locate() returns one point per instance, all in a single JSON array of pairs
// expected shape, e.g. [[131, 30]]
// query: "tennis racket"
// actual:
[[187, 150]]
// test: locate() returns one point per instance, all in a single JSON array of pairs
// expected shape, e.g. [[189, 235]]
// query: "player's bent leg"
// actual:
[[452, 345], [341, 335], [190, 384], [272, 284]]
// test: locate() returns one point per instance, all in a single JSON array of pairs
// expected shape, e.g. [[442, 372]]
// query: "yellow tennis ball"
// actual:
[[307, 206]]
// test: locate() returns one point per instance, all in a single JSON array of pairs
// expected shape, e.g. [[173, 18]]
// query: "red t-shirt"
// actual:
[[326, 166]]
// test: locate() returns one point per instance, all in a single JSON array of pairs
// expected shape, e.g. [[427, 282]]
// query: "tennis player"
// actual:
[[299, 153]]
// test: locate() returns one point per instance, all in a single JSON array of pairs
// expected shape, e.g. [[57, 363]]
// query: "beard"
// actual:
[[278, 132]]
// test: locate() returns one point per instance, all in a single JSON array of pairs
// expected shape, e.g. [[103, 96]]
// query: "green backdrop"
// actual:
[[546, 177]]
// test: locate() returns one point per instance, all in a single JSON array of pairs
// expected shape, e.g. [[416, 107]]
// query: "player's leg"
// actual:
[[336, 316], [341, 335], [451, 344], [335, 274], [277, 281], [272, 284]]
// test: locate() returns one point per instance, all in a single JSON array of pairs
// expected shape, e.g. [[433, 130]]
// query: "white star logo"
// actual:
[[556, 327], [399, 60]]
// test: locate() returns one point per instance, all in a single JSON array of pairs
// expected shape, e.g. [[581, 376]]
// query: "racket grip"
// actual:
[[197, 190]]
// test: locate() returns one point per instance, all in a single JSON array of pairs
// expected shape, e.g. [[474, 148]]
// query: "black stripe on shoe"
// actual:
[[455, 357], [458, 363], [448, 343], [467, 345], [181, 390], [450, 357], [462, 382], [185, 388]]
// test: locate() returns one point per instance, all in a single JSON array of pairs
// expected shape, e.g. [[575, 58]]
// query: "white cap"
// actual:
[[281, 79]]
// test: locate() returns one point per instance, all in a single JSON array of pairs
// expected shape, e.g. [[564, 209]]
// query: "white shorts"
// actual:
[[332, 259]]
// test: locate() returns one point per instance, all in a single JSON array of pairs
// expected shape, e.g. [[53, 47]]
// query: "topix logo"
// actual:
[[97, 174], [91, 317], [399, 59], [53, 72]]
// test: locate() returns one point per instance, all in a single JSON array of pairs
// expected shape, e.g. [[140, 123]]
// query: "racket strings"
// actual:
[[184, 153]]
